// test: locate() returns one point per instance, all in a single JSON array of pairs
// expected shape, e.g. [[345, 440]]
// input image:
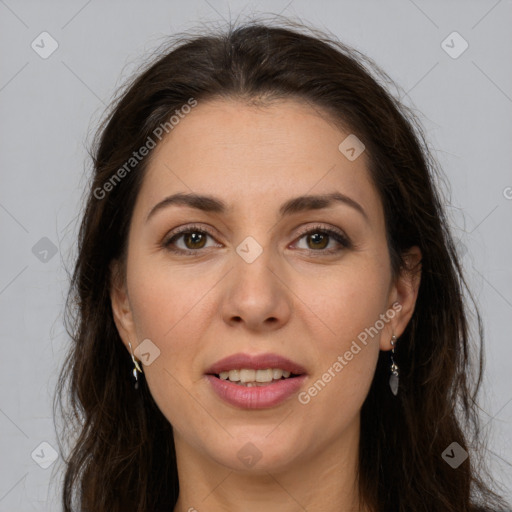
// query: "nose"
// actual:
[[256, 295]]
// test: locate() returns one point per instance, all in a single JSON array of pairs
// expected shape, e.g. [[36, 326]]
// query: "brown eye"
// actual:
[[319, 240], [192, 239], [196, 239]]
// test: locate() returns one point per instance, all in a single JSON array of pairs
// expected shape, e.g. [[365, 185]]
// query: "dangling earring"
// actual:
[[136, 368], [393, 380]]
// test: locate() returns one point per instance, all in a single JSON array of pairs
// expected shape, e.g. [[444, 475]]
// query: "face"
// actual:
[[204, 283]]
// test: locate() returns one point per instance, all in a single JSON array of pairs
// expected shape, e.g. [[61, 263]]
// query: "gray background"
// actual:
[[48, 108]]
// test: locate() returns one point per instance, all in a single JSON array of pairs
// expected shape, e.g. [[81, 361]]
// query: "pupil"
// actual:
[[315, 237], [195, 237]]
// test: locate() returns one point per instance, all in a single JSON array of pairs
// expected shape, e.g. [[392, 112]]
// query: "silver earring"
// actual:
[[393, 379], [136, 368]]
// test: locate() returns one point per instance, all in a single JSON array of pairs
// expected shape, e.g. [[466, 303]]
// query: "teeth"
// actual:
[[247, 375], [234, 375], [264, 375], [251, 377]]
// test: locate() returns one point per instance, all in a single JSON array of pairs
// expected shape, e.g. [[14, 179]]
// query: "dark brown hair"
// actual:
[[121, 446]]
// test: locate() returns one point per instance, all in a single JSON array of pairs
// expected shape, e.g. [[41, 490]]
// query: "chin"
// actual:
[[255, 454]]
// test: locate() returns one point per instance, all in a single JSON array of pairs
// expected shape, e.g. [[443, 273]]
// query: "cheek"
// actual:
[[167, 302], [342, 302], [332, 400], [344, 315], [168, 308]]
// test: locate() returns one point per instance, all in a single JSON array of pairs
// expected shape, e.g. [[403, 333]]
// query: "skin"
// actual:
[[294, 300]]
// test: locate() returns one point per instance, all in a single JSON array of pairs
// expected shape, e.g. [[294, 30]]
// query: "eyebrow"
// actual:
[[295, 205]]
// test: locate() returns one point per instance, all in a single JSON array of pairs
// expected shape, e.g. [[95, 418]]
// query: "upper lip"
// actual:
[[255, 362]]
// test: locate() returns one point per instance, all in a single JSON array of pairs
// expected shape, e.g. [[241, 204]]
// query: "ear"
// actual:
[[120, 302], [403, 295]]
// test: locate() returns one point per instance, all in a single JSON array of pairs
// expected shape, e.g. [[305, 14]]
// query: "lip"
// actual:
[[262, 397], [255, 362]]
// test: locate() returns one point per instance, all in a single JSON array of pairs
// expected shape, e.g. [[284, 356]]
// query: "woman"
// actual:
[[270, 309]]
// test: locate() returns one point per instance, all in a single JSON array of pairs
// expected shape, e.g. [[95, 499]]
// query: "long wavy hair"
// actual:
[[121, 449]]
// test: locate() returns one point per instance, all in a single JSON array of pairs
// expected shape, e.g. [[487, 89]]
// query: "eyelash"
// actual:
[[337, 236]]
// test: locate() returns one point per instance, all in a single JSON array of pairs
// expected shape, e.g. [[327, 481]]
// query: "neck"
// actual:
[[322, 479]]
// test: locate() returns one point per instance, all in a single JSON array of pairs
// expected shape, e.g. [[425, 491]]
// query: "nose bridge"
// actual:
[[252, 267], [255, 289]]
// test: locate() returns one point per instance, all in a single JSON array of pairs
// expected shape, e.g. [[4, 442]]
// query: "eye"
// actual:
[[318, 238], [193, 237]]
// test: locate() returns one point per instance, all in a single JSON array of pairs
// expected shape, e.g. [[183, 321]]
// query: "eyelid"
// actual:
[[321, 227], [339, 235], [183, 230], [333, 232]]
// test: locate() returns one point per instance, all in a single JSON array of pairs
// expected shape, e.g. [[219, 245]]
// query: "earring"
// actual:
[[393, 379], [136, 368]]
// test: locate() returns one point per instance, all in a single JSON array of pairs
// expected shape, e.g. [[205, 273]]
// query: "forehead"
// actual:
[[255, 155]]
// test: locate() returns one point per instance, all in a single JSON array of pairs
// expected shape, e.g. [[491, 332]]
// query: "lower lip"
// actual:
[[256, 397]]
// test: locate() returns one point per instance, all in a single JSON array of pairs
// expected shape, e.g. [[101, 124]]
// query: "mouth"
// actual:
[[249, 377], [255, 381], [246, 368]]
